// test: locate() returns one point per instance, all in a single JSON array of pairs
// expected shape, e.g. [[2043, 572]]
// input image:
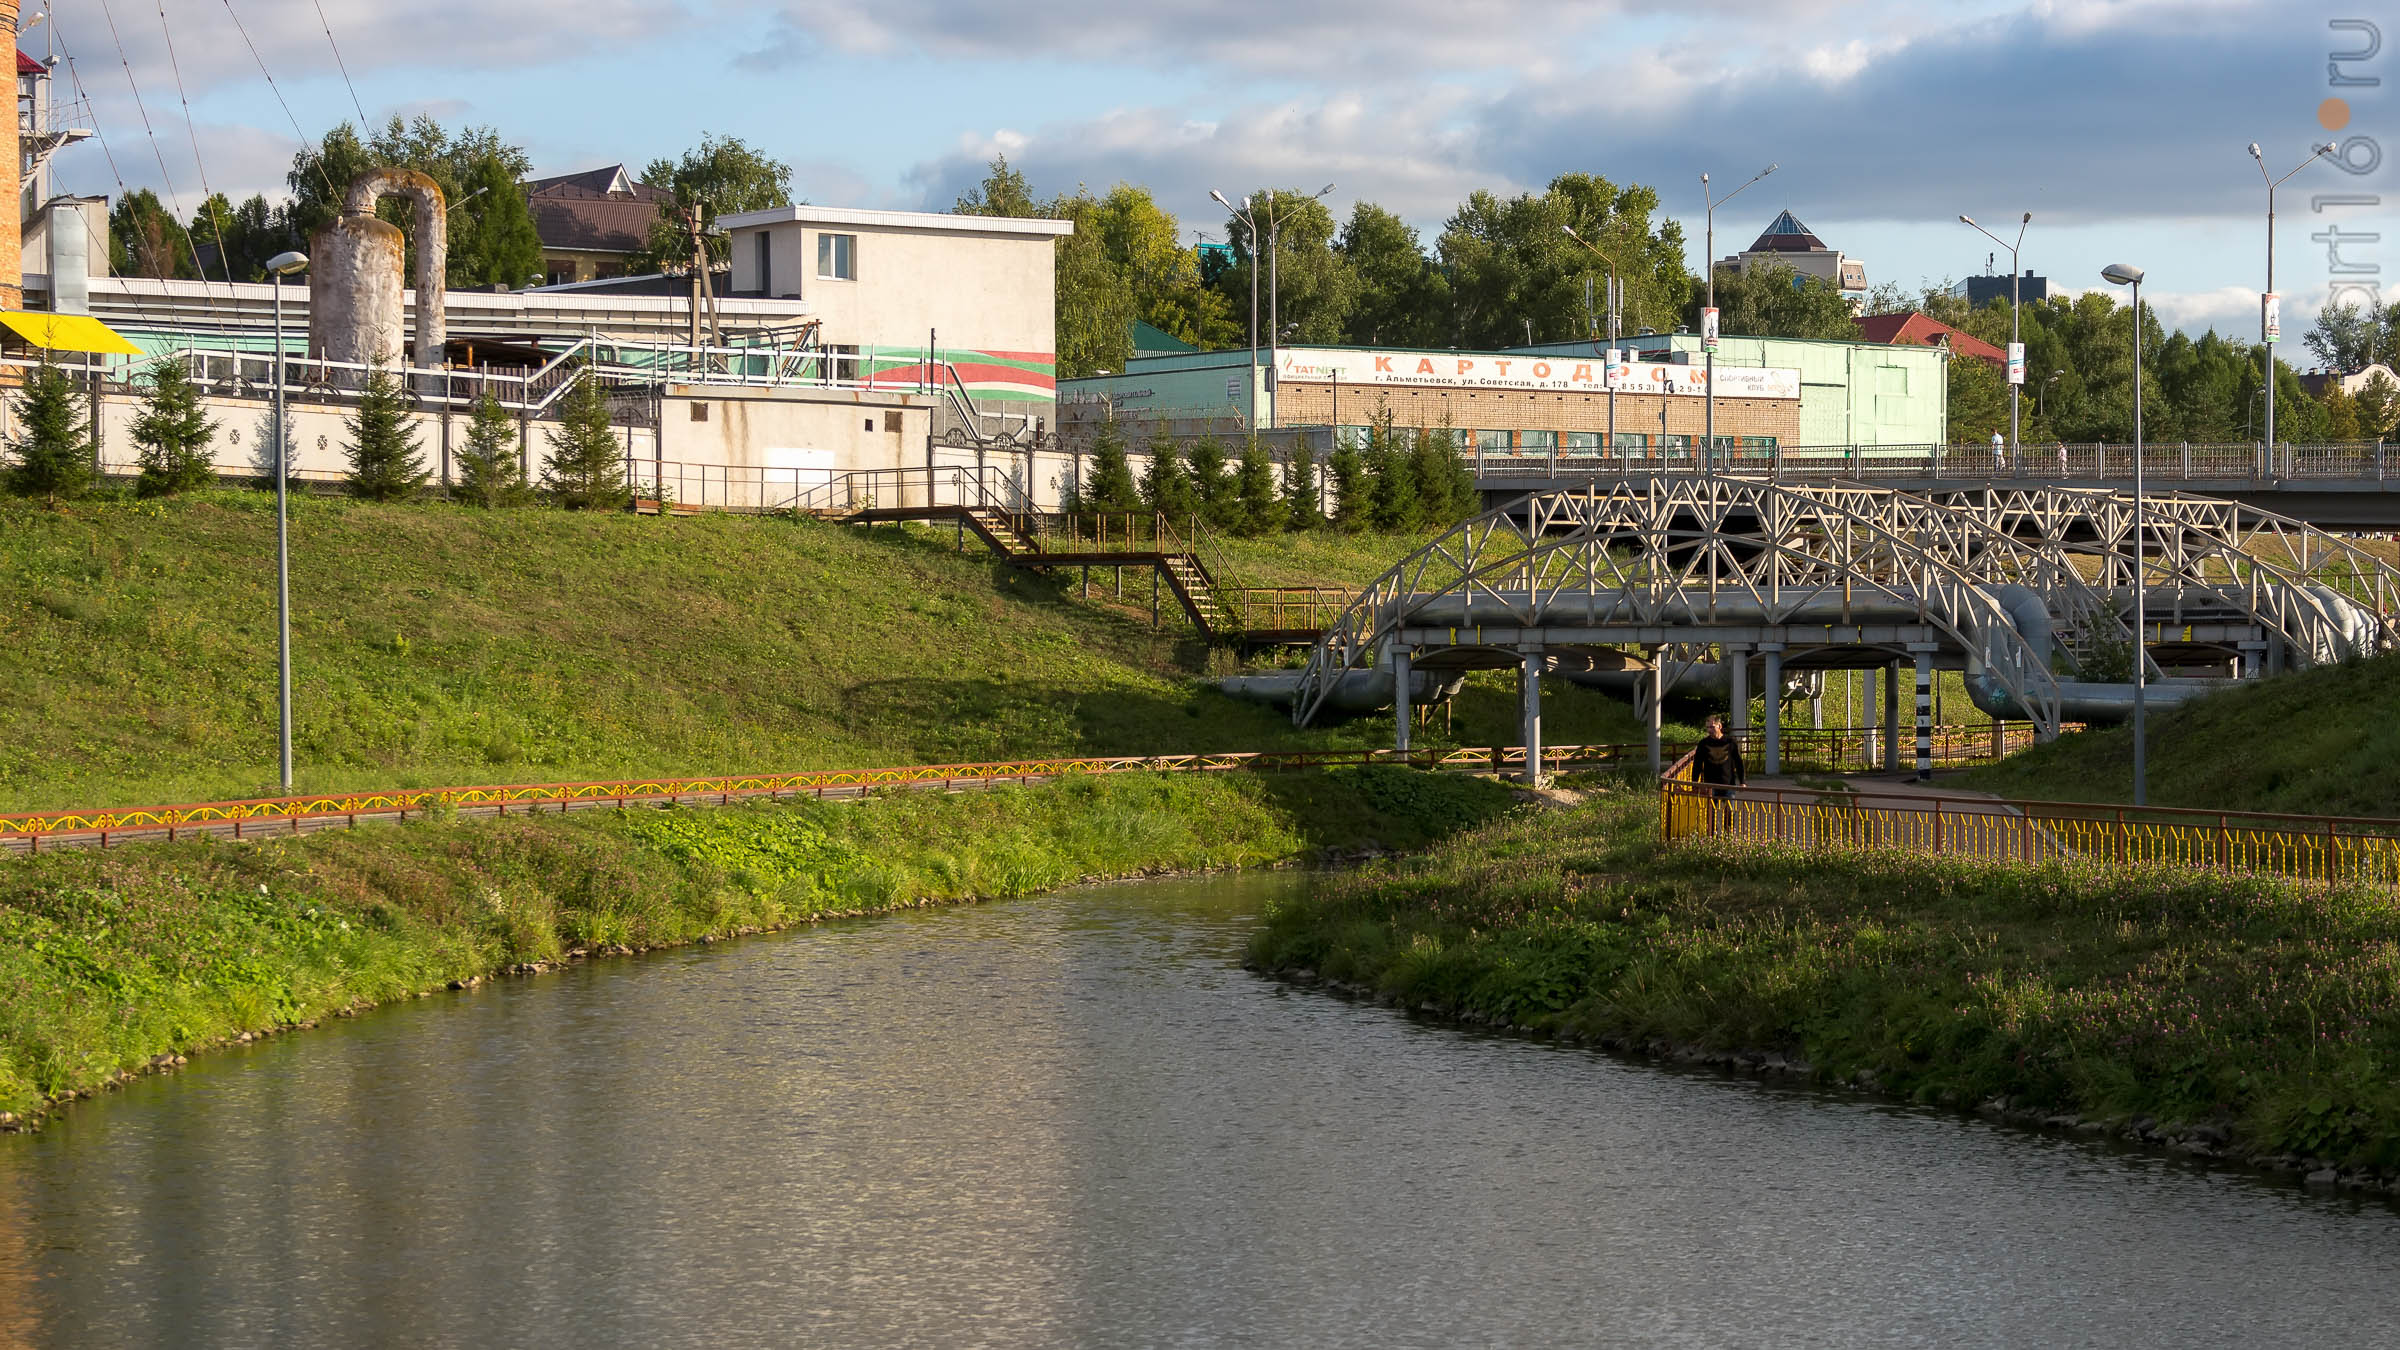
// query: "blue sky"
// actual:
[[2119, 123]]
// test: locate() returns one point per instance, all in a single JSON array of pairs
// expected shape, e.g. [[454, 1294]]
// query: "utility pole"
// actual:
[[1250, 223]]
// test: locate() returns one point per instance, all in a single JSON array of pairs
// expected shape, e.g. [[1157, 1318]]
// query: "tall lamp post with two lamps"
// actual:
[[1708, 317], [2016, 340]]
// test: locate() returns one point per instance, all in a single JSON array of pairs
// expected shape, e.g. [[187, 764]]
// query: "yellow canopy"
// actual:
[[67, 333]]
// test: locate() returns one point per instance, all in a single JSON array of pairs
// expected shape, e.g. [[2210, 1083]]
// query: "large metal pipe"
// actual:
[[1356, 692], [354, 297]]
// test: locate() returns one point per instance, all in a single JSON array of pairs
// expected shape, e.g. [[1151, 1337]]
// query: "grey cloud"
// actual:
[[2141, 118]]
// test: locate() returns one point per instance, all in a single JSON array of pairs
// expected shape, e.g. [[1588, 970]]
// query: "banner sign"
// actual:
[[2016, 363], [1708, 329], [1561, 374], [2270, 315]]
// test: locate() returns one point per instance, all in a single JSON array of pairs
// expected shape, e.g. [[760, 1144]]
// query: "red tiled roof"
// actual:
[[26, 65], [1923, 330]]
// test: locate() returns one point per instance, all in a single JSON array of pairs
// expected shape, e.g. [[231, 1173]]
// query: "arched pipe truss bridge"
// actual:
[[2028, 591]]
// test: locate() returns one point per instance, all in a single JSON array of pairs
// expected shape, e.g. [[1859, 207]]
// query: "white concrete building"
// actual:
[[978, 292]]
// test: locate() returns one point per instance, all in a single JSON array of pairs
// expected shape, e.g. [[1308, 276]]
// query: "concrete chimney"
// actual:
[[12, 239]]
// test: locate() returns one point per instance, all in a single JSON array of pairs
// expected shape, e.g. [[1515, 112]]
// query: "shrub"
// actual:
[[489, 472], [587, 463], [53, 452], [385, 463], [172, 434]]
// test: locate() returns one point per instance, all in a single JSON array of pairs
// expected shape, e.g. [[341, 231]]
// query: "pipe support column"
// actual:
[[1924, 663], [1771, 753], [1891, 718], [1400, 704], [1529, 686]]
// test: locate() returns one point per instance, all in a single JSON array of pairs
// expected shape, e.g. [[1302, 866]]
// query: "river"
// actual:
[[1075, 1120]]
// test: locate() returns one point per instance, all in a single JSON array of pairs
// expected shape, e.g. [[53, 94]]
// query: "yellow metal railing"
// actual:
[[2316, 848]]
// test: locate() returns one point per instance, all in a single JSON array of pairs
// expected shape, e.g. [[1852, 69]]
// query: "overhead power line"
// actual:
[[199, 165], [316, 155], [344, 67]]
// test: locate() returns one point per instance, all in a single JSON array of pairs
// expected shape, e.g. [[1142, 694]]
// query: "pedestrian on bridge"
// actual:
[[2062, 459], [1999, 451]]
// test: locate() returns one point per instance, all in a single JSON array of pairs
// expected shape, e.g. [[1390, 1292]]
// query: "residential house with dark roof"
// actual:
[[592, 223]]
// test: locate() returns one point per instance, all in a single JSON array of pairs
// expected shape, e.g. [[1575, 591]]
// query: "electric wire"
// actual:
[[84, 97], [207, 198], [316, 155], [174, 198], [344, 67]]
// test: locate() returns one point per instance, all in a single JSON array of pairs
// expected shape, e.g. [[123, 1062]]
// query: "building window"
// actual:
[[1675, 446], [1488, 442], [1537, 442], [699, 412], [891, 422], [766, 267], [837, 257], [1634, 441], [1350, 438], [1580, 442]]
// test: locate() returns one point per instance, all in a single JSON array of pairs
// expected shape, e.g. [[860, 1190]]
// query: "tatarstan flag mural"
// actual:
[[990, 377]]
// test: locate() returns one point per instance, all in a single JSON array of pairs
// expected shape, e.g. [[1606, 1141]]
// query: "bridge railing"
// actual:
[[2313, 848], [2164, 461]]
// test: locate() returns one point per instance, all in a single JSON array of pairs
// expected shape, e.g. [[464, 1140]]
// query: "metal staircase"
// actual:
[[1183, 556]]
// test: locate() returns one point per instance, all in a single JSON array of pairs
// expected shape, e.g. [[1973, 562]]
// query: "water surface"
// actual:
[[1075, 1120]]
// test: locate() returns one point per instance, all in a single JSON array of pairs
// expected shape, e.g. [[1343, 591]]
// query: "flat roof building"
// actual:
[[1771, 393], [889, 285]]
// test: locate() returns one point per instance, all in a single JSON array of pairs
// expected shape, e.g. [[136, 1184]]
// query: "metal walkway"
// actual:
[[2028, 591]]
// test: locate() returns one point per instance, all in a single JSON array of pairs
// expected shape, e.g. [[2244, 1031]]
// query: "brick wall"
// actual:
[[1527, 410]]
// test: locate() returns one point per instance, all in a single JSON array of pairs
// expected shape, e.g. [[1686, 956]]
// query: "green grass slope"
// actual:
[[437, 644], [2320, 742]]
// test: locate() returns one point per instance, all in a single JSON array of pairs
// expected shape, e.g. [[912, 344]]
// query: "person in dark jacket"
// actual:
[[1717, 761]]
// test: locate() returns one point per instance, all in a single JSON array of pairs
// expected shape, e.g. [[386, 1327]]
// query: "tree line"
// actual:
[[1504, 272], [492, 241], [1394, 480], [53, 456]]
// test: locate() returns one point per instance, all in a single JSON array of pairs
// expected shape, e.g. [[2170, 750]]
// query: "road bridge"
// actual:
[[2354, 487]]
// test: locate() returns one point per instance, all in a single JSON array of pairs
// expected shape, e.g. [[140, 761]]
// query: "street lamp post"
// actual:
[[2015, 338], [2126, 274], [280, 266], [1616, 298], [2267, 301], [1242, 214], [1708, 337], [1275, 295]]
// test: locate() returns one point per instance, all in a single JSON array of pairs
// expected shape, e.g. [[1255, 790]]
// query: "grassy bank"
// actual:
[[438, 644], [109, 959], [2254, 1017], [2317, 742]]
